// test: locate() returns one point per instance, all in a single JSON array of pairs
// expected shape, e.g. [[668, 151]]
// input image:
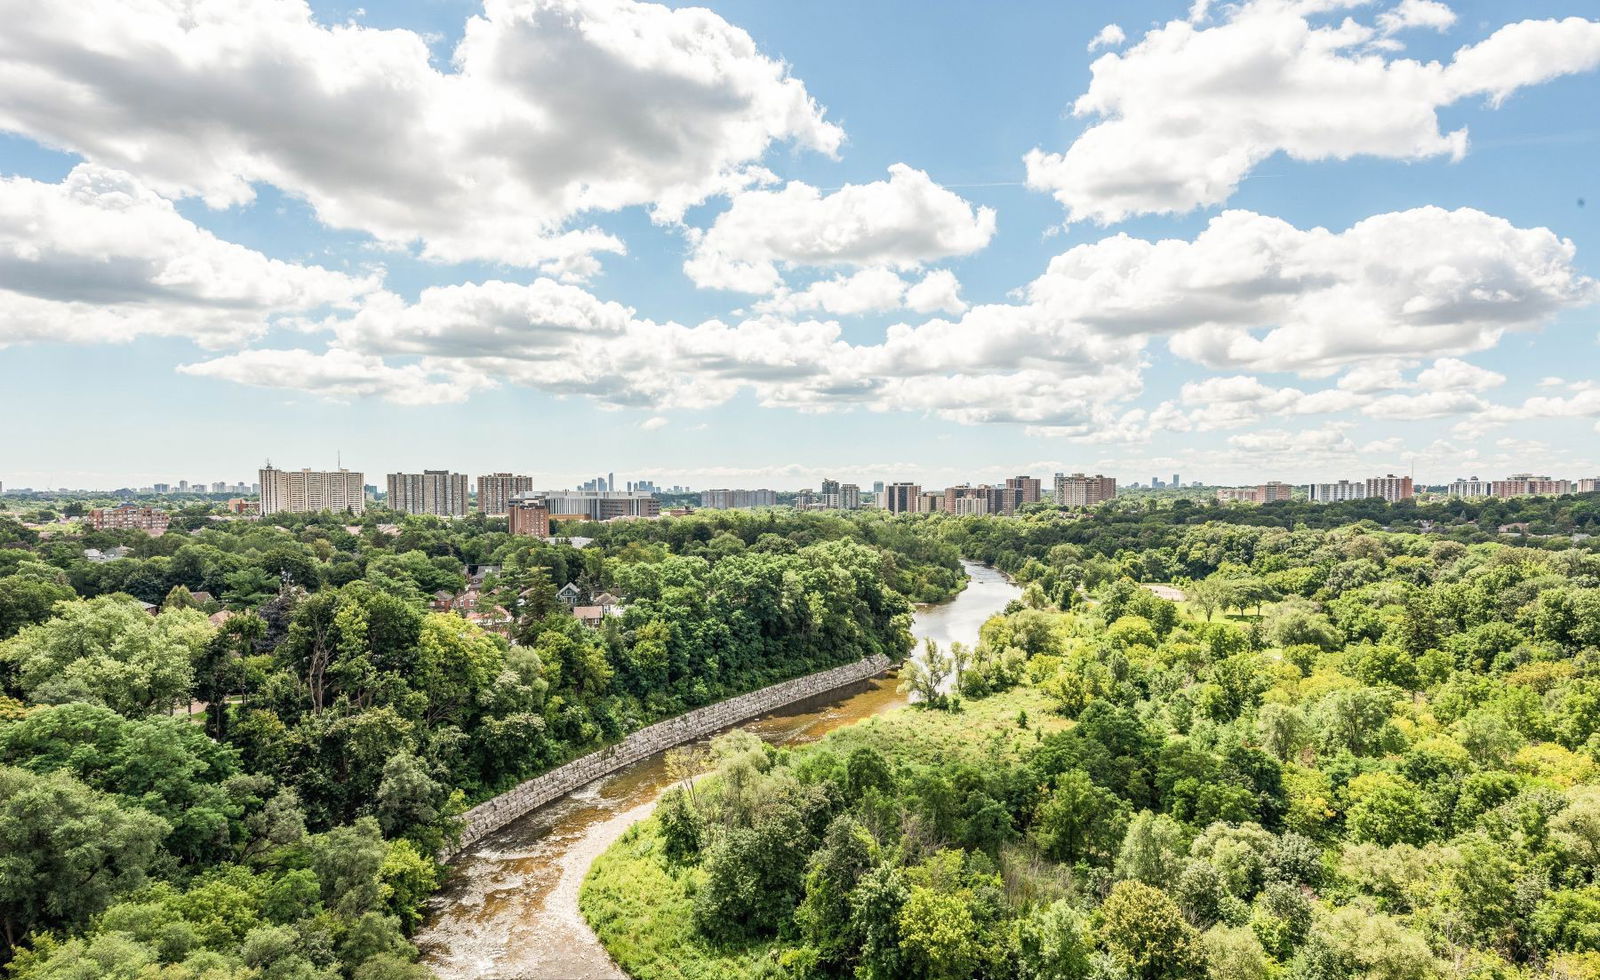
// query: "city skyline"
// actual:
[[1580, 482], [1033, 261]]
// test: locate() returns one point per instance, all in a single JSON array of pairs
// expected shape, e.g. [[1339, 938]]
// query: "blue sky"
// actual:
[[579, 237]]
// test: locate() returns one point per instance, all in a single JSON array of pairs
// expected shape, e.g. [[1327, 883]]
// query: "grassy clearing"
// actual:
[[982, 729]]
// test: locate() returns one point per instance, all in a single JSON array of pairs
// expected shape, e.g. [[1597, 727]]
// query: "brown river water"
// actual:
[[511, 907]]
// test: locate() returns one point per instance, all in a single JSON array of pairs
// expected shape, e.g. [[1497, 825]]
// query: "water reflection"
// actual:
[[511, 908]]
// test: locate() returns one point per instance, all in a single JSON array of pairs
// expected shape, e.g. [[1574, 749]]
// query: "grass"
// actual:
[[982, 729]]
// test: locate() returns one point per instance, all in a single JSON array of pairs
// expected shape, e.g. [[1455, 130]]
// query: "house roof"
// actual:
[[588, 612]]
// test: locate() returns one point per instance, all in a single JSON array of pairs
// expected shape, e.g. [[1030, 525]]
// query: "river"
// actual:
[[511, 907]]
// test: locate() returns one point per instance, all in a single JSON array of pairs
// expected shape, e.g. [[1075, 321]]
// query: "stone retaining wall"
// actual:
[[491, 815]]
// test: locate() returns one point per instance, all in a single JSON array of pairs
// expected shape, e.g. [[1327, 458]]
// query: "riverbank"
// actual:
[[490, 815], [511, 907]]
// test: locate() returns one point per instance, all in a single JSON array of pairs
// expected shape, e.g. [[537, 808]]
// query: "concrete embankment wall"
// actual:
[[491, 815]]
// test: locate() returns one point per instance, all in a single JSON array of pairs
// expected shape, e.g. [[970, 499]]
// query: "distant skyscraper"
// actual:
[[1028, 489], [437, 492], [902, 498], [1391, 488], [496, 490], [311, 491], [1078, 490], [1175, 480], [737, 499], [1333, 493]]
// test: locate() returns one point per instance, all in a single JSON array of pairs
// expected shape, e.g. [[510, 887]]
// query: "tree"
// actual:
[[940, 936], [1152, 850], [249, 587], [457, 663], [924, 677], [1207, 595], [681, 826], [348, 861], [108, 651], [1079, 820], [179, 598], [1053, 942], [848, 851], [409, 799], [25, 600], [66, 851], [1147, 936], [1387, 809], [1282, 729], [219, 670], [1235, 954], [166, 766]]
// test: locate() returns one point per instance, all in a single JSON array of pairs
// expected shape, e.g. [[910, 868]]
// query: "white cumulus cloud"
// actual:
[[549, 110], [337, 374], [100, 258], [1110, 36], [902, 222], [1416, 13], [1065, 358], [1253, 292], [1184, 115]]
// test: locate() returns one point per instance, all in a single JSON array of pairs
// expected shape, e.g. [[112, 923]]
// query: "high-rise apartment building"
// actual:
[[437, 492], [1028, 489], [839, 496], [902, 498], [529, 516], [1078, 490], [970, 505], [1469, 487], [737, 499], [311, 491], [496, 491], [1333, 493], [1273, 490], [1390, 487], [1589, 484], [1528, 485]]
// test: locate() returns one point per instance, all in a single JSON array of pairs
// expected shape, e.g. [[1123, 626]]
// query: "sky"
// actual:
[[760, 244]]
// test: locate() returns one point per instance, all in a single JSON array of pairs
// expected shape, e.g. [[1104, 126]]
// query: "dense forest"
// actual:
[[236, 751], [1346, 752]]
